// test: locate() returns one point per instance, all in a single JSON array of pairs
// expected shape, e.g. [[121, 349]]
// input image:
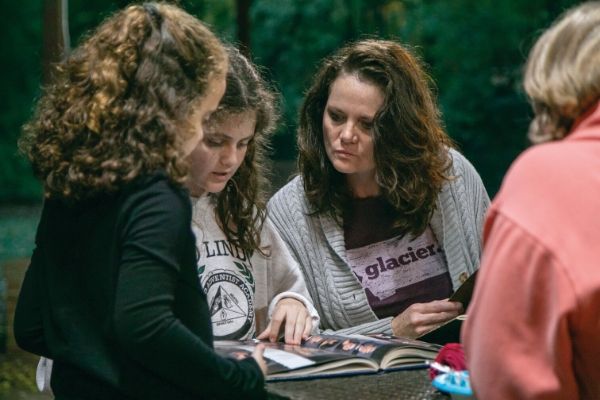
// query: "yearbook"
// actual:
[[328, 355]]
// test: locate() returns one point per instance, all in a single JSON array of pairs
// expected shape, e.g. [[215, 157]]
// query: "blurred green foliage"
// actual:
[[475, 50], [20, 46], [17, 375]]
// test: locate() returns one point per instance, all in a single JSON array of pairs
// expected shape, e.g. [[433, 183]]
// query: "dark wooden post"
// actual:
[[243, 25], [56, 39], [56, 43]]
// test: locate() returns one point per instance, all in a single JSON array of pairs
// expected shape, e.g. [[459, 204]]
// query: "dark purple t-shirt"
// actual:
[[395, 271]]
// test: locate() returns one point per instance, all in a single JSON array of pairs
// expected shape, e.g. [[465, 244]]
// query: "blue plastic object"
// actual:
[[454, 383]]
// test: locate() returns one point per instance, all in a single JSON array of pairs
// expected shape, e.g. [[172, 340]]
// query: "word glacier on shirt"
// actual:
[[373, 270]]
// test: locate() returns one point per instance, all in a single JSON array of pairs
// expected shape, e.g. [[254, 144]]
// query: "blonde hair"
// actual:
[[562, 74]]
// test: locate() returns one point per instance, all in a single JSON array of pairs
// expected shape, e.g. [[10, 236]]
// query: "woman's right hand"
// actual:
[[420, 318], [257, 354]]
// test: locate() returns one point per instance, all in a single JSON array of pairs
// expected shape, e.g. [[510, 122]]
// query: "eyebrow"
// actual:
[[226, 136]]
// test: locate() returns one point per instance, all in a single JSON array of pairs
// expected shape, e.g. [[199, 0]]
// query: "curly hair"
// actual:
[[562, 73], [410, 144], [117, 107], [241, 205]]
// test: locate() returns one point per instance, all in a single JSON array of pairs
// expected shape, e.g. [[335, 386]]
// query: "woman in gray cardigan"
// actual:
[[385, 218]]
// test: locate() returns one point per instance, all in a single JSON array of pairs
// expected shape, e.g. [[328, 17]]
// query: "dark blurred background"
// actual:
[[475, 51]]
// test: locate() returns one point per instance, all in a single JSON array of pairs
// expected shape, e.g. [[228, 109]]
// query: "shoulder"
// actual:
[[461, 167], [290, 197], [155, 198], [295, 186], [288, 209], [156, 184], [464, 179], [528, 174], [547, 185], [536, 162], [527, 180]]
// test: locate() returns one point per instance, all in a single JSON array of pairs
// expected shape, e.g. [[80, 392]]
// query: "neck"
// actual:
[[363, 186], [196, 192]]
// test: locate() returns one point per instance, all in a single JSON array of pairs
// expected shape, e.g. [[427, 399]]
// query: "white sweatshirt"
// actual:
[[243, 290]]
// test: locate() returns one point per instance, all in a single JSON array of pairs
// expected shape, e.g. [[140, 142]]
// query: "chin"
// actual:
[[216, 188], [344, 169]]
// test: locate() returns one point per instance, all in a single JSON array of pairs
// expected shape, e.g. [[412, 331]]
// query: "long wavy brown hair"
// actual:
[[562, 74], [117, 106], [410, 144], [241, 205]]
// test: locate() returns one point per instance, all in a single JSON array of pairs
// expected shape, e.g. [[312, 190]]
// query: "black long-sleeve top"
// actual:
[[112, 296]]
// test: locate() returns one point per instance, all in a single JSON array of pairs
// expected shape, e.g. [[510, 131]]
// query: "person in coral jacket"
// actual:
[[534, 322]]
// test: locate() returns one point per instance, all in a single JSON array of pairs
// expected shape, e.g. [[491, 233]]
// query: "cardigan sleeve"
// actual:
[[283, 210], [286, 279], [474, 201], [477, 196]]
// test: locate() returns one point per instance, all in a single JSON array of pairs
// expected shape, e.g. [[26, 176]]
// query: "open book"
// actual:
[[333, 355], [450, 331]]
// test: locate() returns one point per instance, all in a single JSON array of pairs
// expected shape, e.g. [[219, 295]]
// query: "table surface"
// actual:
[[407, 384]]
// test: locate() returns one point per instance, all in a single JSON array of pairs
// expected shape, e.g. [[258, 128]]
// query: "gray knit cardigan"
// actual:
[[317, 243]]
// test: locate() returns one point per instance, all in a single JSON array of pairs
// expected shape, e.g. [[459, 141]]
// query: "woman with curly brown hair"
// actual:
[[111, 294], [385, 218], [253, 284]]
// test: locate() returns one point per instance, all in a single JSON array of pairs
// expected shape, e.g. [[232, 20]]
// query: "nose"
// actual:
[[229, 156], [347, 134]]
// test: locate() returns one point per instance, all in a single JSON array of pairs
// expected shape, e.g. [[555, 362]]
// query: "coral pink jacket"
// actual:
[[533, 329]]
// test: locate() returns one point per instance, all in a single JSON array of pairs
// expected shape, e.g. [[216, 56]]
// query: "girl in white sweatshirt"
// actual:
[[254, 286]]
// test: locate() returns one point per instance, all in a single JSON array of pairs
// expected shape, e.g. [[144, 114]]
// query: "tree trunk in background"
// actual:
[[55, 35], [243, 25]]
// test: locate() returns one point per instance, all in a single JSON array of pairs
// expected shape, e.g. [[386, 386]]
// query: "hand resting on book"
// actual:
[[298, 322], [420, 318]]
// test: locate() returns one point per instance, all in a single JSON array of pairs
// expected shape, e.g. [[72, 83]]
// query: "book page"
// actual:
[[285, 358]]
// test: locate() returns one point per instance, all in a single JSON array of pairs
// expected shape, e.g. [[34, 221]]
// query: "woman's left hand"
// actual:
[[298, 322]]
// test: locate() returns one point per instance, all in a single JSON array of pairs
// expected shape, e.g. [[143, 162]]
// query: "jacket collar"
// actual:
[[587, 126]]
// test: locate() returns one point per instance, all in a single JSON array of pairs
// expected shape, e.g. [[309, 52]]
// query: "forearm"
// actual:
[[160, 316], [151, 333], [28, 323]]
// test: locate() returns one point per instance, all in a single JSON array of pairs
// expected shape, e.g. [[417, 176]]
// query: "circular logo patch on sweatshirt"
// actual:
[[231, 305]]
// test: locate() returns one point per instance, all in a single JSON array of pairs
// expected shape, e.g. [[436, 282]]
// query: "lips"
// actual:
[[220, 175], [343, 153]]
